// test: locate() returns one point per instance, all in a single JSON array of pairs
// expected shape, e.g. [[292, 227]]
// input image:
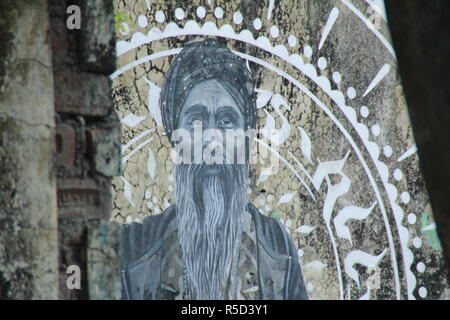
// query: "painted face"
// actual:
[[212, 118], [210, 105]]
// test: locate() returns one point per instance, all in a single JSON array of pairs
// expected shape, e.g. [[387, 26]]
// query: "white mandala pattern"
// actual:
[[341, 99]]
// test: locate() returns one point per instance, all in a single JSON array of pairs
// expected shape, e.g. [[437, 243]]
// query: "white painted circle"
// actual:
[[147, 194], [274, 31], [155, 200], [179, 13], [398, 174], [257, 24], [170, 188], [322, 63], [300, 252], [201, 12], [149, 205], [412, 218], [387, 150], [307, 51], [160, 17], [420, 267], [417, 242], [218, 12], [124, 28], [351, 93], [405, 197], [157, 210], [270, 197], [364, 111], [129, 220], [142, 21], [292, 40], [423, 292], [237, 17], [337, 78], [376, 130]]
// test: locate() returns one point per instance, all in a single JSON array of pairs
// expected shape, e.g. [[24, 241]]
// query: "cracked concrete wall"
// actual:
[[332, 63], [28, 223]]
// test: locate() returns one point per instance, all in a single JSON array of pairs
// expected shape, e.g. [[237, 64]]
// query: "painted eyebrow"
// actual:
[[227, 109], [196, 108]]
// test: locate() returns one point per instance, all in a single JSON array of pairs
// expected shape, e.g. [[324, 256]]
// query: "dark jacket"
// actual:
[[279, 272]]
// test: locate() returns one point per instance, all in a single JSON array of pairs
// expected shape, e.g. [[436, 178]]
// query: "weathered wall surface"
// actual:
[[28, 222], [55, 178], [87, 143], [349, 188]]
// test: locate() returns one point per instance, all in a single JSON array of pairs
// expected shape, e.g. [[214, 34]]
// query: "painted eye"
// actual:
[[226, 122]]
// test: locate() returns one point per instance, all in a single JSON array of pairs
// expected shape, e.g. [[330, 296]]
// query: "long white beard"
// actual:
[[210, 212]]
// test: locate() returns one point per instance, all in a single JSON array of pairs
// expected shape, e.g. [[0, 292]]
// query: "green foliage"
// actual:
[[119, 18], [276, 215], [430, 235]]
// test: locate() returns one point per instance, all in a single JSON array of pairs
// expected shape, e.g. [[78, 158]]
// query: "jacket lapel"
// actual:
[[273, 258]]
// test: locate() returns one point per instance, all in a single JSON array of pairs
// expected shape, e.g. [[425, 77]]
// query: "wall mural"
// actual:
[[336, 185]]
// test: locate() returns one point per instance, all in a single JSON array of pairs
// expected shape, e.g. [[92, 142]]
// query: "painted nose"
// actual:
[[211, 122], [210, 125]]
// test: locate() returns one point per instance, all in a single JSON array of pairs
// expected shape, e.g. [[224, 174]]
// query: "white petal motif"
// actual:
[[151, 164], [305, 229], [132, 120], [154, 93], [263, 98], [286, 198], [265, 173], [127, 191], [305, 144]]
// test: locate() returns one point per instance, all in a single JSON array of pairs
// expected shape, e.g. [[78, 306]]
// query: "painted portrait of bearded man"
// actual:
[[212, 244]]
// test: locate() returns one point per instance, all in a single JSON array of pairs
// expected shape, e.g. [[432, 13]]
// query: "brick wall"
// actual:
[[87, 130]]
